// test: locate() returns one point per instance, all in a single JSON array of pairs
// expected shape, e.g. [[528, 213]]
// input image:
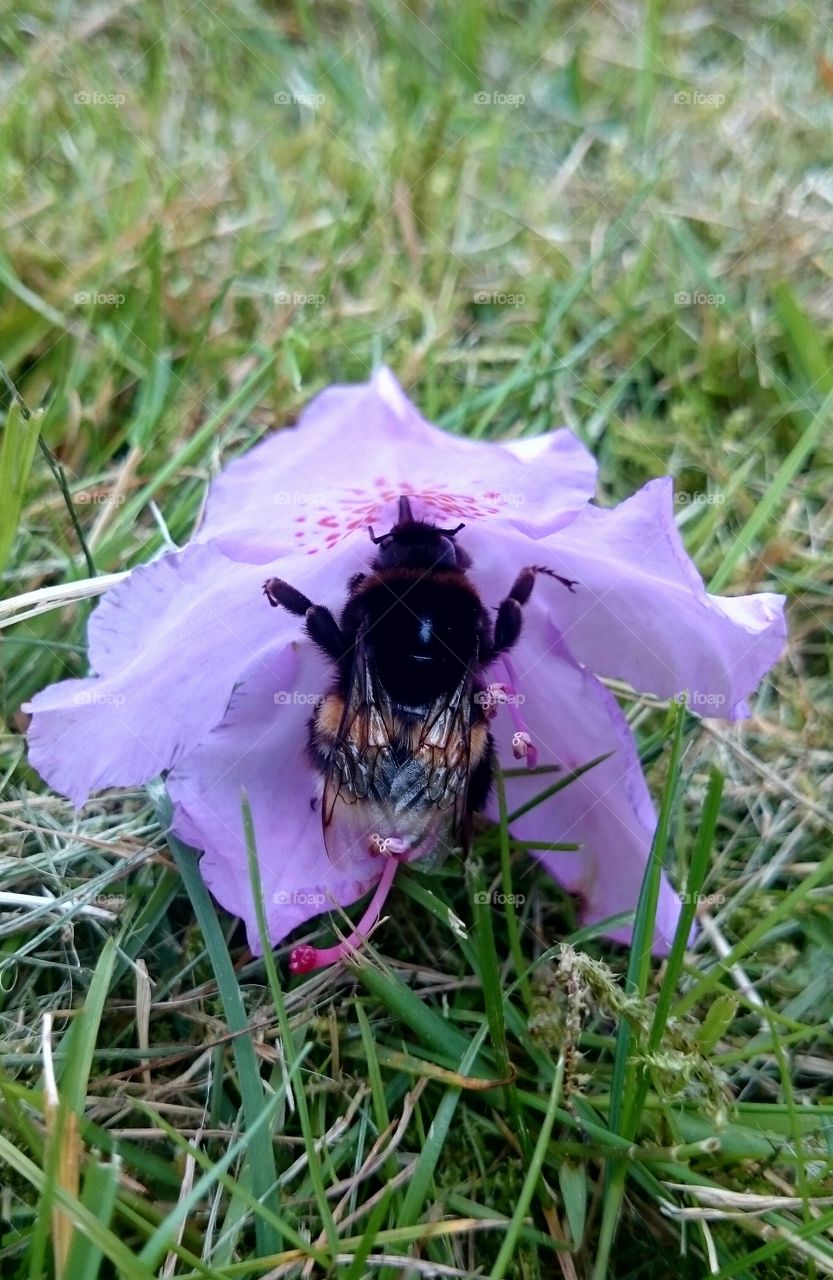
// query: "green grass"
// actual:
[[184, 262]]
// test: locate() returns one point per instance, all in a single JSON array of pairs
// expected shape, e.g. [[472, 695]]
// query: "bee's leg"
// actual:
[[279, 592], [509, 618], [505, 635], [322, 627]]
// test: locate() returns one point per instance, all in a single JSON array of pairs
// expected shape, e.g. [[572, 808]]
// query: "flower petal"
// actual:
[[573, 719], [357, 448], [640, 611], [169, 643], [259, 748]]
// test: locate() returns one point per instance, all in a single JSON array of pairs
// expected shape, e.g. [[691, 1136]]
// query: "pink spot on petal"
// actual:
[[356, 508]]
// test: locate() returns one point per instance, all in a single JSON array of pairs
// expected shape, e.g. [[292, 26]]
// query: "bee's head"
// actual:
[[416, 544]]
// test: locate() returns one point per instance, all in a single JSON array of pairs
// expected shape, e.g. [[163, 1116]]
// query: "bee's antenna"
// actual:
[[450, 533], [405, 514], [382, 537]]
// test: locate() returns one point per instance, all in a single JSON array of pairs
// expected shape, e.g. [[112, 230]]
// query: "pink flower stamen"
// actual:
[[492, 697], [305, 958], [391, 846], [523, 748]]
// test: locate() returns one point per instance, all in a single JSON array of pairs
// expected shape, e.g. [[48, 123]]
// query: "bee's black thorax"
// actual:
[[422, 628]]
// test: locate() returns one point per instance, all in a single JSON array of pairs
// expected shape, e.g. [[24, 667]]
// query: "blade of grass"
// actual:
[[290, 1049], [64, 1108], [786, 909], [78, 1045], [374, 1226], [556, 787], [764, 511], [61, 481], [531, 1180], [691, 896], [17, 450], [381, 1113], [512, 927], [236, 1189], [260, 1153], [651, 64], [636, 980], [83, 1219], [802, 337], [445, 1040], [98, 1194], [493, 996], [435, 1139], [163, 1238], [239, 402]]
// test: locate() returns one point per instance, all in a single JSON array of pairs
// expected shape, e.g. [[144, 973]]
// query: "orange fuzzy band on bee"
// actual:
[[479, 742], [328, 715]]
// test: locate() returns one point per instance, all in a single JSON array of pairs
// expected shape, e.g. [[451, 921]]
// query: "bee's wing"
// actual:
[[364, 736], [445, 747], [394, 786]]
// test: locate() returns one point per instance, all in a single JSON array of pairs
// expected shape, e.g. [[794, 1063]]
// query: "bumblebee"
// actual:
[[402, 740]]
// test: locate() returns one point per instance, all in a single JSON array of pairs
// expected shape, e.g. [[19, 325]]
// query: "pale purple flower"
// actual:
[[195, 674]]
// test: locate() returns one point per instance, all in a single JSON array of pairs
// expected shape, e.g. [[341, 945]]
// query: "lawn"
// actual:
[[614, 217]]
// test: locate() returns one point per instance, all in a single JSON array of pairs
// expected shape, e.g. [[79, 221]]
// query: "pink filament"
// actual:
[[521, 730], [306, 958]]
